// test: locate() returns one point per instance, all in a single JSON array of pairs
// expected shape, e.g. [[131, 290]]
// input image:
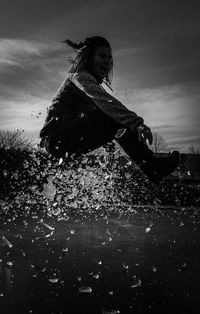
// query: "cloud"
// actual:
[[181, 96], [30, 17], [30, 68], [31, 72], [21, 52], [14, 51]]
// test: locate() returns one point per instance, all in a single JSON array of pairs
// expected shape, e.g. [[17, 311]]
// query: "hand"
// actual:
[[144, 134]]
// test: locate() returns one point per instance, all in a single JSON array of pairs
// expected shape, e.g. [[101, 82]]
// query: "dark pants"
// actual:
[[93, 130]]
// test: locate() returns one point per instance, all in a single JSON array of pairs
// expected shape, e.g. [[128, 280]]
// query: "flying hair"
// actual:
[[75, 46]]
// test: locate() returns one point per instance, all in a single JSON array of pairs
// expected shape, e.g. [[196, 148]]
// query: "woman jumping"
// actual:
[[84, 116]]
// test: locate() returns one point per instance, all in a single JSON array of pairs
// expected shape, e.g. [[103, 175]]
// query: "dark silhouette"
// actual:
[[84, 116]]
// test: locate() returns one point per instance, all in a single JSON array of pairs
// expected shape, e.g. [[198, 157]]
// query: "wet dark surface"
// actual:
[[140, 260]]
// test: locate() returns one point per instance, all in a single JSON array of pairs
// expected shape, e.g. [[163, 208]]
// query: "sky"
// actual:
[[156, 49]]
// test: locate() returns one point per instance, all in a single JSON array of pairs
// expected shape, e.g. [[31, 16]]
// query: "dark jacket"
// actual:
[[81, 94], [82, 109], [69, 103]]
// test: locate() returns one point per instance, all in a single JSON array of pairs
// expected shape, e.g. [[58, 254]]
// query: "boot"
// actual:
[[158, 167]]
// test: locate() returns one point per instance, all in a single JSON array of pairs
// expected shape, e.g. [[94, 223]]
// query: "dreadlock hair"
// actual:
[[85, 51]]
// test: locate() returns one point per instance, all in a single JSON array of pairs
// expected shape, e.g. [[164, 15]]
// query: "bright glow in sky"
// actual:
[[156, 48]]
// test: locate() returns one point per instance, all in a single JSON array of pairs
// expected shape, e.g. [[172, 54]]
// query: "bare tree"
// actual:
[[159, 143], [194, 150]]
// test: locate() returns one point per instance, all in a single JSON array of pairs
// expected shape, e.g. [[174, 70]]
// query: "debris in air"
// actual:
[[154, 268], [47, 226], [125, 266], [137, 283], [60, 161], [49, 190], [110, 312], [85, 290], [65, 250], [53, 280], [6, 241]]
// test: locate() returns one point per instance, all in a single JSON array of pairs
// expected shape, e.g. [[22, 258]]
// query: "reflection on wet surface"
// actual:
[[138, 261]]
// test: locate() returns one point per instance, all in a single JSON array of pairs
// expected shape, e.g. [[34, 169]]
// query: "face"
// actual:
[[101, 63]]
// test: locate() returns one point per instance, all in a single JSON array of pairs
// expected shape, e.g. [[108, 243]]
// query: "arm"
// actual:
[[106, 102]]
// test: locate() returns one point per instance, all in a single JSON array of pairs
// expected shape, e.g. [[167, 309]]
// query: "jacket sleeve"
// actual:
[[106, 102]]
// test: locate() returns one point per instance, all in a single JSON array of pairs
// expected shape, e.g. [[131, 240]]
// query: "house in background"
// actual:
[[188, 170]]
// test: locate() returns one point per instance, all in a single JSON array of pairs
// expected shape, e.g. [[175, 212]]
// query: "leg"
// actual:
[[137, 151], [81, 135], [155, 168], [95, 129]]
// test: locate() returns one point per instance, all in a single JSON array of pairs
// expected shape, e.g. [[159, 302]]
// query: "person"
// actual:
[[84, 116]]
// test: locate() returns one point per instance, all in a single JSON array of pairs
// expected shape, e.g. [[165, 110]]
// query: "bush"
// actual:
[[15, 149], [14, 140]]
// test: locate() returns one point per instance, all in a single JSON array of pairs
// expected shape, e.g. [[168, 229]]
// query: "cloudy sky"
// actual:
[[156, 49]]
